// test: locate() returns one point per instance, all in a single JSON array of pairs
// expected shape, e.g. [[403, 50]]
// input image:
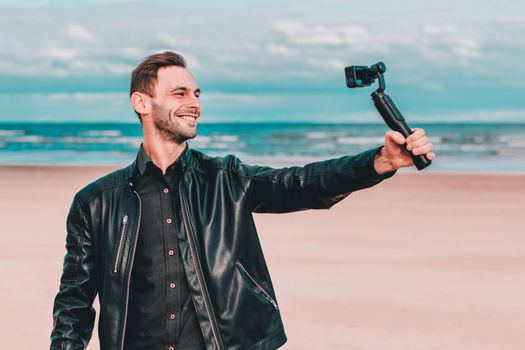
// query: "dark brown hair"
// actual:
[[144, 77]]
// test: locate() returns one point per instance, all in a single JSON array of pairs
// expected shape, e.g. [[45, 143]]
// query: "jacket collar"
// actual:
[[139, 164]]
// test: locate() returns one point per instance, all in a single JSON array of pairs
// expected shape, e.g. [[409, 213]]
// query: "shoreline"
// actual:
[[276, 164]]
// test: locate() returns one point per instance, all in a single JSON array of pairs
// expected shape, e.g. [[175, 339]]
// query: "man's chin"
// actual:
[[178, 137], [181, 137]]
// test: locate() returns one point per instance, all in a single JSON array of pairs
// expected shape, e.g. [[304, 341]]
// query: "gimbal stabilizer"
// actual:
[[360, 76]]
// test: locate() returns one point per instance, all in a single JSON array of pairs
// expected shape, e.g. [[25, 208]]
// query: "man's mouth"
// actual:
[[192, 117]]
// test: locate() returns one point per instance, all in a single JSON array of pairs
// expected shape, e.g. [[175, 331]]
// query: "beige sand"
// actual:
[[421, 261]]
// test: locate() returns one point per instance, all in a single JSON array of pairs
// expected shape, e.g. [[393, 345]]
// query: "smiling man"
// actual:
[[169, 242]]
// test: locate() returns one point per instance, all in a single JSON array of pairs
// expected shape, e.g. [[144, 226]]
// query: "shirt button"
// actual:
[[172, 316], [166, 190], [168, 221], [172, 285], [171, 252]]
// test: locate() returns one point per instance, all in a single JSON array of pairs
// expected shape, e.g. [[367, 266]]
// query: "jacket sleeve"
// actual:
[[73, 313], [317, 185]]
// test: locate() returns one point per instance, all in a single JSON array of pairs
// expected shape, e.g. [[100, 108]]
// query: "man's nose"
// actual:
[[195, 103]]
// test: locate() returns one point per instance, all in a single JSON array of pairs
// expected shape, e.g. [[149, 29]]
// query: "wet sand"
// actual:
[[421, 261]]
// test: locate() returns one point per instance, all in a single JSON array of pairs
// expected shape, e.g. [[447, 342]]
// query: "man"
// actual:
[[169, 242]]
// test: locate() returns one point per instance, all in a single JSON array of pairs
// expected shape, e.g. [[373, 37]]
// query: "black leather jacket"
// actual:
[[227, 274]]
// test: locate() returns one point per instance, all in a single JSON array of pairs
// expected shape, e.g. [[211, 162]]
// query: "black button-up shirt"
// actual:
[[161, 312]]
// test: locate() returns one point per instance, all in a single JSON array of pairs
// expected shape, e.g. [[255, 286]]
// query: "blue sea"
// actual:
[[460, 147]]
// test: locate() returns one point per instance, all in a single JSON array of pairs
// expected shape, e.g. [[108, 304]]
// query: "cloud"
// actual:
[[118, 68], [106, 97], [60, 54], [299, 33], [229, 99], [466, 47], [279, 50], [439, 42], [268, 46], [354, 34], [476, 115], [432, 42], [77, 32], [439, 30]]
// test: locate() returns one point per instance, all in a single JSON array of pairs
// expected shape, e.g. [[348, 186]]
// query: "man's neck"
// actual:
[[163, 153]]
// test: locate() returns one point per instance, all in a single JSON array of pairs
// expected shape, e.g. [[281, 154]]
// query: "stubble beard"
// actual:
[[171, 129]]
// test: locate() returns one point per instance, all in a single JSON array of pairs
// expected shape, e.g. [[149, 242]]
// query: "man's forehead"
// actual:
[[175, 76]]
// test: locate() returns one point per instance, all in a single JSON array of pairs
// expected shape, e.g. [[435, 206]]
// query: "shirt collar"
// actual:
[[143, 159]]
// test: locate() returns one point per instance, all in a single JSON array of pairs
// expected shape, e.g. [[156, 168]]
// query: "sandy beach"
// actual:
[[421, 261]]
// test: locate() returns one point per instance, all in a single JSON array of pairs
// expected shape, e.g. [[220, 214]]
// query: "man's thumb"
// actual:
[[395, 137]]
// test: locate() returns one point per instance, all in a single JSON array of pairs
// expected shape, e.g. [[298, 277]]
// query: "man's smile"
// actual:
[[193, 117], [187, 114]]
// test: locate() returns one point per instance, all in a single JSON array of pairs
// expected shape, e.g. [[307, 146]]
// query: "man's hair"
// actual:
[[144, 77]]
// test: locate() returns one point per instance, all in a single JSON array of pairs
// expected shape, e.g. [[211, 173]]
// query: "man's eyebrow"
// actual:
[[183, 88]]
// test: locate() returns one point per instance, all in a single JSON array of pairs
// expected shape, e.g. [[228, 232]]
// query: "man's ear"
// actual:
[[140, 103]]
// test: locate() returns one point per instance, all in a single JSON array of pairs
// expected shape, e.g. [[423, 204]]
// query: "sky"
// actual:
[[266, 60]]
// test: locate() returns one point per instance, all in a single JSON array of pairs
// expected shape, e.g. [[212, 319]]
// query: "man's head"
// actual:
[[163, 92]]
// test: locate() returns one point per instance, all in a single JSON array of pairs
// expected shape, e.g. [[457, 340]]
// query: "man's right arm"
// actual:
[[73, 313]]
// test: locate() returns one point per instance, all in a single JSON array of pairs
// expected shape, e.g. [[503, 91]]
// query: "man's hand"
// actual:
[[394, 156]]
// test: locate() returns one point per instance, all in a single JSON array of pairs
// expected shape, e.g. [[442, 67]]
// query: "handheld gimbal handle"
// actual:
[[395, 121]]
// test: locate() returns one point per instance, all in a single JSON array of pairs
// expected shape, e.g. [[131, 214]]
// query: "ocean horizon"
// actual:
[[460, 146]]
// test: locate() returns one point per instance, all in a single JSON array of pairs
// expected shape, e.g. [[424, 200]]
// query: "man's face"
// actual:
[[176, 107]]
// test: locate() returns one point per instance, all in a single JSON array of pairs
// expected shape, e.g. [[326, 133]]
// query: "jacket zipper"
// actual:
[[265, 293], [129, 274], [196, 269], [119, 248]]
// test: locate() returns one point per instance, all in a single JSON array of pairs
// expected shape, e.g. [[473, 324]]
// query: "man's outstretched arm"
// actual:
[[73, 313], [322, 184]]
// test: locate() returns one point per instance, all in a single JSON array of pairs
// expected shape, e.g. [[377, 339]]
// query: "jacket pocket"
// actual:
[[118, 253], [257, 286]]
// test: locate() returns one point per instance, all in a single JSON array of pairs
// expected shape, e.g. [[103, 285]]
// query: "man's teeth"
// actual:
[[188, 117]]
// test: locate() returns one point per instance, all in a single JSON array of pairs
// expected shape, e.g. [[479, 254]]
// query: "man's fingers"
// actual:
[[395, 136], [417, 133], [417, 143], [422, 150], [430, 155]]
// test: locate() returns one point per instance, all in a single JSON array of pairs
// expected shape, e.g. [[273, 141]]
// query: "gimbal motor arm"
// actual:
[[360, 76]]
